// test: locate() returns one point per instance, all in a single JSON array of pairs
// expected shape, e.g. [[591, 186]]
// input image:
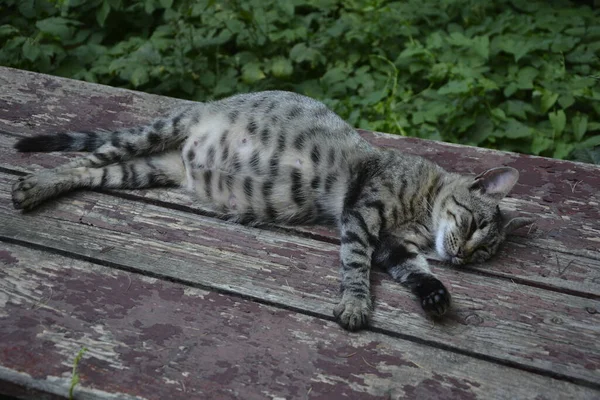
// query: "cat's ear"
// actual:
[[496, 182], [516, 223]]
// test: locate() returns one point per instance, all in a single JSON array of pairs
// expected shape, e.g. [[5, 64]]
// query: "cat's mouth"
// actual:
[[444, 254]]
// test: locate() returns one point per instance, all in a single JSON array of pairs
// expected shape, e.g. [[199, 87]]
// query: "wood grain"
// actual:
[[155, 339], [492, 318]]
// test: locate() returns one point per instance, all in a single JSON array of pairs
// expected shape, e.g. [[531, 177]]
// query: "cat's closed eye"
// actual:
[[472, 229]]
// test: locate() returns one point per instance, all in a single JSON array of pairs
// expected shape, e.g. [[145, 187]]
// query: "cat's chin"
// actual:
[[434, 255], [440, 250], [441, 255]]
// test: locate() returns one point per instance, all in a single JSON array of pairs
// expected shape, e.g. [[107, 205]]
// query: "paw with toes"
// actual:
[[435, 298], [29, 191], [352, 313]]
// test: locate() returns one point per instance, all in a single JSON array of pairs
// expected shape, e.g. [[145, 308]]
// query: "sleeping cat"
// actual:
[[279, 157]]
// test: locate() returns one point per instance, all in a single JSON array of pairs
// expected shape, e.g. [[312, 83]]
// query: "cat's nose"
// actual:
[[460, 252]]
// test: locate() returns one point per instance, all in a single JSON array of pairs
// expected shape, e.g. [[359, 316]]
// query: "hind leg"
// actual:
[[108, 154], [159, 170]]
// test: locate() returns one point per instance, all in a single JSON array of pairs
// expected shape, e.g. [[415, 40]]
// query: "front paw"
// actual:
[[435, 298], [352, 313]]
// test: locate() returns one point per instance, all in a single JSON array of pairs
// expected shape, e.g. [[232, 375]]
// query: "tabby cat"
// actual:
[[279, 157]]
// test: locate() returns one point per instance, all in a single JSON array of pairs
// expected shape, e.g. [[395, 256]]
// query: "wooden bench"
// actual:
[[173, 303]]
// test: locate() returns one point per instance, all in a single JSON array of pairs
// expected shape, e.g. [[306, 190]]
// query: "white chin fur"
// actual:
[[439, 241]]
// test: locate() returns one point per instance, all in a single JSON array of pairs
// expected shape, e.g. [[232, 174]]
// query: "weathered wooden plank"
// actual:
[[21, 385], [554, 266], [492, 318], [36, 102], [162, 340]]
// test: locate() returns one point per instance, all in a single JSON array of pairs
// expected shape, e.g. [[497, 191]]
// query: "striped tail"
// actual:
[[108, 147], [162, 133], [71, 141]]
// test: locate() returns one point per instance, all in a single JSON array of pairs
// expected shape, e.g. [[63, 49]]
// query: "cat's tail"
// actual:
[[64, 141], [163, 133], [109, 147]]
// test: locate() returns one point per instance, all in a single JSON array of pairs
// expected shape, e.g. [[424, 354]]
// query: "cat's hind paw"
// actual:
[[352, 313], [29, 191]]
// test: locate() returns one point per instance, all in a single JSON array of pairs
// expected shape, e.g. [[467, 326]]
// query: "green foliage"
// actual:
[[520, 75], [74, 373]]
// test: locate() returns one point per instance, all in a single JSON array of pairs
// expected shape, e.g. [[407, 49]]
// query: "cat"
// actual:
[[280, 157]]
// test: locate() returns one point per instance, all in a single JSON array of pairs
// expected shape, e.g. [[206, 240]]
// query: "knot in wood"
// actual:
[[473, 319]]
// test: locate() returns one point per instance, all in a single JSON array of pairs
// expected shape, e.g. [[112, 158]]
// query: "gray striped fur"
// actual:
[[279, 157]]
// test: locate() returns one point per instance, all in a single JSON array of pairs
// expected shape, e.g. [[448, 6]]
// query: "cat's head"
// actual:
[[469, 226]]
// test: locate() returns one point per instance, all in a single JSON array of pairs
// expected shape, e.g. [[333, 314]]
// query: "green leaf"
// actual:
[[488, 84], [438, 72], [525, 77], [27, 8], [31, 50], [516, 130], [591, 142], [287, 7], [56, 26], [510, 89], [375, 96], [102, 13], [301, 53], [562, 43], [517, 108], [498, 114], [540, 143], [459, 40], [580, 124], [562, 150], [252, 73], [582, 55], [481, 45], [513, 45], [166, 3], [8, 30], [547, 100], [139, 76], [335, 75], [434, 41], [227, 82], [149, 6], [455, 87], [566, 100], [558, 120], [282, 67]]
